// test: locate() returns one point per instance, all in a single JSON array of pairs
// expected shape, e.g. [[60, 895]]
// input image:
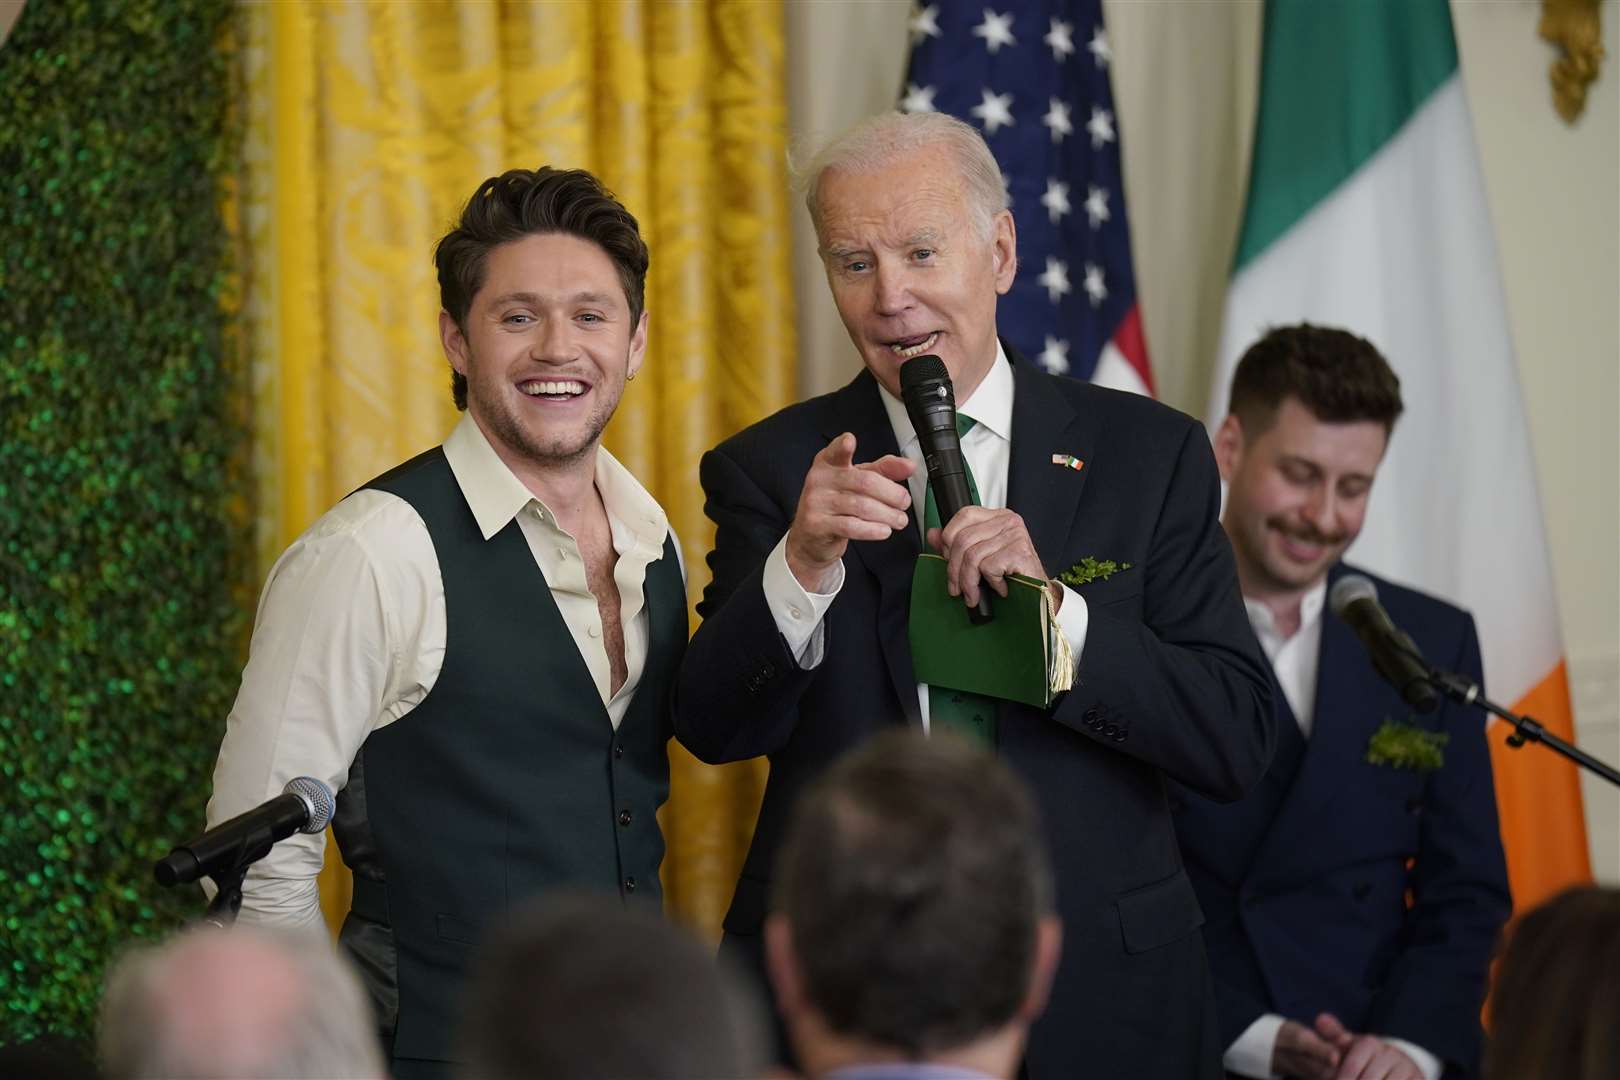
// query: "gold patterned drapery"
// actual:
[[368, 124]]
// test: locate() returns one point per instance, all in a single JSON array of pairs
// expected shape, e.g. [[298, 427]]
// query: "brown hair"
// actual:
[[1555, 1007], [914, 877], [524, 202], [1339, 377]]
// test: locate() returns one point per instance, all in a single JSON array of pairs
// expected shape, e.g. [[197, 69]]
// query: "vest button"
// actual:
[[629, 884], [618, 750], [625, 817]]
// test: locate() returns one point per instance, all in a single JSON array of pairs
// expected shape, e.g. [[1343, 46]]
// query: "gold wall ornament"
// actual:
[[1576, 27]]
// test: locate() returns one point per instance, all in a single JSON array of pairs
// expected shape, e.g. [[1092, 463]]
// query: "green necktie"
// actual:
[[973, 715]]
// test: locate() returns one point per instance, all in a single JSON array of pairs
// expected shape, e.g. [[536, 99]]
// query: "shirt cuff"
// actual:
[[1251, 1052], [1426, 1062], [1073, 620], [797, 612]]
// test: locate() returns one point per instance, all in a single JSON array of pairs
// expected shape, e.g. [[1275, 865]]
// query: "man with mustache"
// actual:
[[1323, 966]]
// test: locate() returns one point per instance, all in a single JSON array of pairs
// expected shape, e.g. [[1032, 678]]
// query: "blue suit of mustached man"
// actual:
[[1342, 884]]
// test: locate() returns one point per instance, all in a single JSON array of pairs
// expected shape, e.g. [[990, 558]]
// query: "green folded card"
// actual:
[[1009, 657]]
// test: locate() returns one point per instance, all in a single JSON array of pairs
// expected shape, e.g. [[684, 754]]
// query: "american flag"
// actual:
[[1033, 76]]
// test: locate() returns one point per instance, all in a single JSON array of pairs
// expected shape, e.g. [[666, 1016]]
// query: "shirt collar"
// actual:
[[496, 496], [990, 404], [1310, 610]]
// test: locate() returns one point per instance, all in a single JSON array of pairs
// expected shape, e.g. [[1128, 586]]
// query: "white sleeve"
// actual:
[[798, 613], [1426, 1062], [349, 636], [1073, 620], [1251, 1052]]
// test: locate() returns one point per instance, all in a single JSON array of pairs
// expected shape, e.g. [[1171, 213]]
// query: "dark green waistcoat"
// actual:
[[508, 779]]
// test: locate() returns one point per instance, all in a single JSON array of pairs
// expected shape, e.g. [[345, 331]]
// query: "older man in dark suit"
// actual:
[[803, 652]]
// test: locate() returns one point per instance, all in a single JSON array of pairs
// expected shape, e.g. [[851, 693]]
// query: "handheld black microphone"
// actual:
[[1394, 654], [925, 387], [305, 805]]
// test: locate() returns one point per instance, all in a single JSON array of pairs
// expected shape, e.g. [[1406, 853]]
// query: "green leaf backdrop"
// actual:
[[124, 553]]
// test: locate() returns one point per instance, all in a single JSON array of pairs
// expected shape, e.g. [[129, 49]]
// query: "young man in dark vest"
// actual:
[[475, 649]]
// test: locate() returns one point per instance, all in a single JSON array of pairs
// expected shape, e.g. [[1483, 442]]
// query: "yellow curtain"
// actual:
[[368, 124]]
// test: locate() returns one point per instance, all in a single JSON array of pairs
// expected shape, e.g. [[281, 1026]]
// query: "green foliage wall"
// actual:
[[122, 552]]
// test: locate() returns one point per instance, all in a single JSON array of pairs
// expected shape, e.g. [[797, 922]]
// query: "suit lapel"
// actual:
[[857, 409], [1337, 742], [1044, 423]]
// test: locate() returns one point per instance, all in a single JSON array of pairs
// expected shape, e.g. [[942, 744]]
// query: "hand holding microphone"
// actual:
[[981, 546]]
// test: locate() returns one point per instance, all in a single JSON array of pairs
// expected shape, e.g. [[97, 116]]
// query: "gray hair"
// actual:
[[879, 141], [235, 1004]]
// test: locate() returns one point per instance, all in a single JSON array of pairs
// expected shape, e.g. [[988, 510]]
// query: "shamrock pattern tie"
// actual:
[[972, 715]]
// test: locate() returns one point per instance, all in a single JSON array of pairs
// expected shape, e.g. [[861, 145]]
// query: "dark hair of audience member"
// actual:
[[1339, 377], [914, 878], [1555, 1003], [579, 987]]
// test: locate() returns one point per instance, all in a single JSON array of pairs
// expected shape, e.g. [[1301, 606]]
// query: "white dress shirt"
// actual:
[[988, 449], [350, 636], [1295, 660]]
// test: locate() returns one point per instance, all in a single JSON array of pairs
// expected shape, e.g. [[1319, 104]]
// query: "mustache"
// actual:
[[1308, 533]]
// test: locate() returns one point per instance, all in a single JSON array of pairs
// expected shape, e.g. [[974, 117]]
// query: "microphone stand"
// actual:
[[227, 902], [1526, 728]]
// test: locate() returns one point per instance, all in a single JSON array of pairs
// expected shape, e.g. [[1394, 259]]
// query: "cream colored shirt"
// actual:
[[988, 449], [350, 636]]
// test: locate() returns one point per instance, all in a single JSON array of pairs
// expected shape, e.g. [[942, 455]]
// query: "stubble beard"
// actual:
[[509, 429]]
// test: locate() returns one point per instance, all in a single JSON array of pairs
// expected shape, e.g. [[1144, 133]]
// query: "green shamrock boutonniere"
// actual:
[[1089, 569], [1404, 745]]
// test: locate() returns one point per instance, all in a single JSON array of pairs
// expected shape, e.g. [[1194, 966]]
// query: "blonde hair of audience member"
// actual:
[[236, 1004], [1555, 1004]]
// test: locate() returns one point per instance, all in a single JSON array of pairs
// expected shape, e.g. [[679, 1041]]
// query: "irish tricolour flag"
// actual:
[[1366, 210]]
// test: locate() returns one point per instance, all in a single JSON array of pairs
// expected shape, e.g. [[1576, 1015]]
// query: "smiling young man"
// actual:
[[803, 653], [475, 649], [1323, 966]]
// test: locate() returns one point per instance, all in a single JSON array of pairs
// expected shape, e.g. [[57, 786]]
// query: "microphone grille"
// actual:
[[1348, 589], [921, 369], [319, 798]]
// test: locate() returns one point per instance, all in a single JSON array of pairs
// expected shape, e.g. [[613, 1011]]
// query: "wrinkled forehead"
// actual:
[[902, 204]]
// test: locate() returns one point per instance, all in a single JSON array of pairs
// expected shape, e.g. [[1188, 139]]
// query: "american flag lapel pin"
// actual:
[[1068, 461]]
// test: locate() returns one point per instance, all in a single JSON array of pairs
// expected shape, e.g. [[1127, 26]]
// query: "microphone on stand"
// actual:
[[1395, 655], [305, 805], [930, 400]]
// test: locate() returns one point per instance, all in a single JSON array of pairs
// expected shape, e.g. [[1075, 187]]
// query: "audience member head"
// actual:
[[1555, 1004], [583, 987], [913, 910], [236, 1003], [1312, 410]]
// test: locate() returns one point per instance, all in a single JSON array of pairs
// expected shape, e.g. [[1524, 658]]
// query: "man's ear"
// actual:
[[1043, 967], [638, 346], [782, 965], [1229, 445], [455, 344], [1004, 250]]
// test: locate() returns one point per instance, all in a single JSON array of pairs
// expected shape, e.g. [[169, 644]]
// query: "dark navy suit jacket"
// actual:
[[1367, 891], [1171, 682]]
